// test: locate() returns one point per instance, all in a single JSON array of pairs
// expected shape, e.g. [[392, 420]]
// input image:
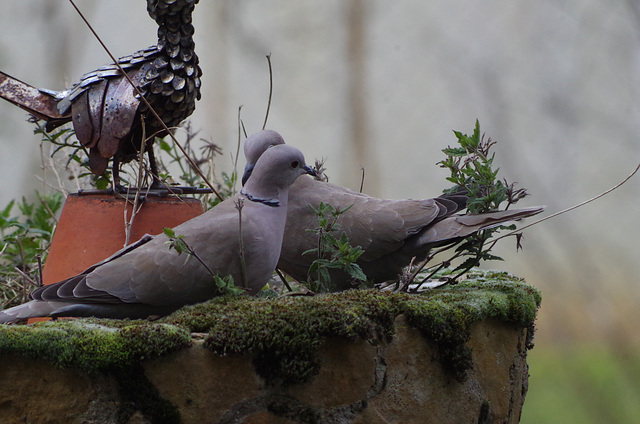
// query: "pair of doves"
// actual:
[[148, 278]]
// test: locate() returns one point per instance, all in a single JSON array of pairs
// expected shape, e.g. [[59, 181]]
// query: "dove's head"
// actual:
[[255, 145], [277, 168]]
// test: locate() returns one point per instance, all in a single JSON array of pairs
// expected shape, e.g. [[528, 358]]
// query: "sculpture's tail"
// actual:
[[39, 103]]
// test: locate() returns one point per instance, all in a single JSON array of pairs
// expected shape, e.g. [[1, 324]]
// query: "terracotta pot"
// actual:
[[92, 227]]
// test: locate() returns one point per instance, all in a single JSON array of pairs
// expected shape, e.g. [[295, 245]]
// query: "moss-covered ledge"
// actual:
[[286, 341], [285, 333]]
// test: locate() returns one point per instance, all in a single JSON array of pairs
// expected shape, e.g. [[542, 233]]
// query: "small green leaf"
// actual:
[[102, 183], [455, 151], [164, 146]]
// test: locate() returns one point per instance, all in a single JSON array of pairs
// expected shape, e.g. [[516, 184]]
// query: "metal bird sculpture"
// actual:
[[108, 114]]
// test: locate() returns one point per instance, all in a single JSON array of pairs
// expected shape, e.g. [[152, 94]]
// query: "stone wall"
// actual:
[[456, 354], [400, 381]]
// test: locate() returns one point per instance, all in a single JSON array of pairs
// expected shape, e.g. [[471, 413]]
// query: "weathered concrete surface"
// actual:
[[400, 381], [35, 392], [418, 390]]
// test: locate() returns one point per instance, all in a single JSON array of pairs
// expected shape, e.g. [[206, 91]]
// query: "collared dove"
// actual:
[[107, 112], [149, 278], [391, 232]]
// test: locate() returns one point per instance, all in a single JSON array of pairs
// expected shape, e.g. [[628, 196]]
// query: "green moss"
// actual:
[[284, 334], [90, 346], [116, 347]]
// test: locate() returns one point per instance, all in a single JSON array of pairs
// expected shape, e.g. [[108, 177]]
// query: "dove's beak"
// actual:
[[310, 171], [247, 173]]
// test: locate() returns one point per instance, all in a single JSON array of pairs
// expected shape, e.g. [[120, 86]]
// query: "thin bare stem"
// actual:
[[202, 262], [136, 200], [266, 116], [42, 165], [39, 259], [235, 162], [47, 208], [407, 282], [284, 280], [437, 268], [553, 215], [243, 268], [424, 263], [26, 277], [52, 166], [244, 130], [178, 243]]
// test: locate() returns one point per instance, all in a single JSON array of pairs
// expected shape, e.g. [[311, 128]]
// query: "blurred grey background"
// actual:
[[381, 85]]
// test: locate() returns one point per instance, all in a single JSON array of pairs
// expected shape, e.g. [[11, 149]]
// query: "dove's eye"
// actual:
[[294, 164]]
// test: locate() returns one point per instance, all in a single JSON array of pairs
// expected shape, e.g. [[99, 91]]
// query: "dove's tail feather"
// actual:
[[40, 308], [28, 310], [459, 226], [459, 197]]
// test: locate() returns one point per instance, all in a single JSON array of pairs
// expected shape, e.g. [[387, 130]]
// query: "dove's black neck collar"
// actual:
[[269, 202]]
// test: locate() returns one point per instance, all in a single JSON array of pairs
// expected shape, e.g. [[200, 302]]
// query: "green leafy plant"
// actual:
[[24, 243], [333, 252], [472, 171], [471, 167]]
